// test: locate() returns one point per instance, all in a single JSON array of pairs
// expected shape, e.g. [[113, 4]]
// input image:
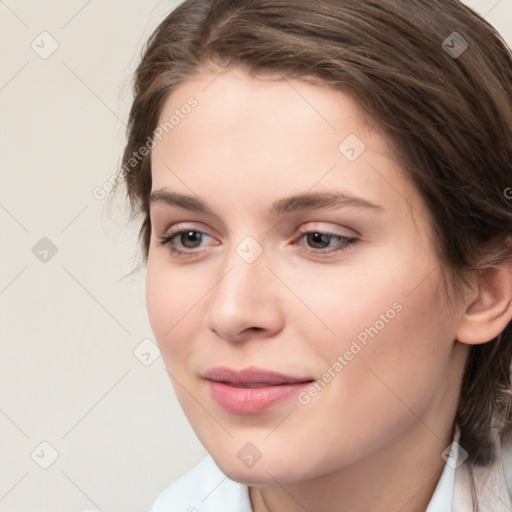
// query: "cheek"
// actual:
[[383, 318], [395, 352], [350, 301], [169, 302], [159, 300], [379, 370], [176, 302]]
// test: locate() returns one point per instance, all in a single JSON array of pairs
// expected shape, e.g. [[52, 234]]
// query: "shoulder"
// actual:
[[203, 489]]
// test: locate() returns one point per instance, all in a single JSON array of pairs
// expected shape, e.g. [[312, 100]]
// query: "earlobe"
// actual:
[[490, 308]]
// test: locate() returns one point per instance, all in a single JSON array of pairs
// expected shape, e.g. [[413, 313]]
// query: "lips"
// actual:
[[251, 377], [252, 390]]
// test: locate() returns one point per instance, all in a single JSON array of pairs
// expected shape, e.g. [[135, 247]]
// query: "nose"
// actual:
[[245, 304]]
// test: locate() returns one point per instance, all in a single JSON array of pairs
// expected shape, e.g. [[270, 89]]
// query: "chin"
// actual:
[[249, 478], [264, 472]]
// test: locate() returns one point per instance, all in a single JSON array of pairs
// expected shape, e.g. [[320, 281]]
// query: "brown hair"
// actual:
[[448, 116]]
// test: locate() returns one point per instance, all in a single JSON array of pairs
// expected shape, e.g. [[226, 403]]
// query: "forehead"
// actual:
[[266, 137], [265, 105]]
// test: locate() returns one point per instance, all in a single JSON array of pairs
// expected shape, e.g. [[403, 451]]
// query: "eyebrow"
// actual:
[[306, 201]]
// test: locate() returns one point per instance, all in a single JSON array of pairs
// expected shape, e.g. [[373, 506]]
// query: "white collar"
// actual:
[[453, 492], [442, 499]]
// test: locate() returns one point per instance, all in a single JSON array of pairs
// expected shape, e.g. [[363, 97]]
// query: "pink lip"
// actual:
[[252, 390]]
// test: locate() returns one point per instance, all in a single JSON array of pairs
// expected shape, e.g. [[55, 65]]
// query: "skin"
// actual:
[[372, 438]]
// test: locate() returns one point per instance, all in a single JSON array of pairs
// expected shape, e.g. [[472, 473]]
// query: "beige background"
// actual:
[[73, 373]]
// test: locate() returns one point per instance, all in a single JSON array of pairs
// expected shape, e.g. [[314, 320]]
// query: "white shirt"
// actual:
[[206, 489]]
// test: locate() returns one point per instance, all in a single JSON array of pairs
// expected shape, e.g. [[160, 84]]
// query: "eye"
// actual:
[[186, 242], [316, 242], [188, 239]]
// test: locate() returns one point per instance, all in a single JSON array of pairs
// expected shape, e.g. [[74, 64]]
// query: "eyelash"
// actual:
[[345, 240]]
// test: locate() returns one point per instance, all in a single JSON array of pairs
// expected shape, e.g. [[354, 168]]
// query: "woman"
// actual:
[[328, 241]]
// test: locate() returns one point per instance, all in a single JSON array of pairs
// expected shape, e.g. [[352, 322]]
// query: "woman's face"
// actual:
[[303, 250]]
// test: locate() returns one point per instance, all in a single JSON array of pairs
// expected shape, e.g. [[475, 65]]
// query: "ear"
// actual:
[[489, 307]]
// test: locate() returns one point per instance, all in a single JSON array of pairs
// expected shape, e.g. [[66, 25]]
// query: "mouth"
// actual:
[[252, 390], [251, 384]]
